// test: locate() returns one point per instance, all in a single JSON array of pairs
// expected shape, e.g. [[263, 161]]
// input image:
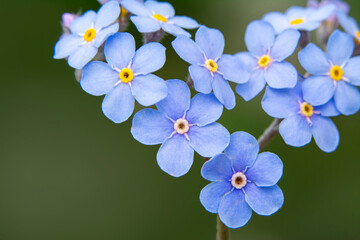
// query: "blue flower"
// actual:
[[182, 126], [265, 59], [126, 76], [88, 33], [210, 68], [299, 18], [334, 75], [243, 181], [350, 25], [152, 16], [301, 119]]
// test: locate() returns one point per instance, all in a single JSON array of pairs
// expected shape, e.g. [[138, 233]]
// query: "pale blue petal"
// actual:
[[212, 194], [135, 7], [81, 24], [347, 98], [266, 171], [296, 12], [211, 41], [247, 60], [82, 56], [264, 200], [202, 78], [340, 48], [149, 58], [204, 109], [352, 71], [175, 156], [281, 75], [163, 8], [232, 69], [209, 140], [318, 90], [295, 130], [307, 26], [118, 104], [184, 22], [223, 91], [151, 127], [348, 23], [107, 14], [149, 89], [253, 87], [234, 212], [322, 13], [188, 50], [285, 44], [67, 45], [98, 78], [325, 133], [174, 29], [314, 60], [145, 24], [116, 54], [219, 168], [259, 37], [243, 150], [278, 20], [328, 110], [103, 34]]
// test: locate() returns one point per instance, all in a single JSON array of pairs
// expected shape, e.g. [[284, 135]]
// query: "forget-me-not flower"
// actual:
[[265, 59], [210, 69], [299, 18], [302, 121], [243, 181], [88, 33], [152, 16], [125, 76], [335, 74], [340, 6], [182, 126], [350, 25]]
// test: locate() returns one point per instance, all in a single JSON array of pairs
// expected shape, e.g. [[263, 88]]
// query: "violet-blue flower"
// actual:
[[88, 33], [350, 25], [152, 16], [243, 181], [182, 126], [210, 69], [125, 76], [266, 59], [302, 121], [335, 74]]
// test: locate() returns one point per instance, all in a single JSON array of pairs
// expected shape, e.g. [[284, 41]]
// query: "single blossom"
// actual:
[[88, 33], [125, 76], [266, 59], [181, 127], [335, 74], [302, 121], [152, 16], [350, 25], [210, 69], [242, 181]]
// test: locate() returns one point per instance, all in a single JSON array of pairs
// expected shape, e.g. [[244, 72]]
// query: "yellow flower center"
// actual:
[[358, 34], [306, 109], [336, 73], [124, 12], [159, 17], [211, 65], [126, 75], [90, 34], [357, 41], [297, 21], [264, 61], [181, 126]]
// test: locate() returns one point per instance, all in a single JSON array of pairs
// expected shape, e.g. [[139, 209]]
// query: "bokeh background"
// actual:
[[67, 172]]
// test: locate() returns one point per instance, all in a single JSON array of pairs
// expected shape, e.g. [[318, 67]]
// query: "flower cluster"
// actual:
[[243, 179]]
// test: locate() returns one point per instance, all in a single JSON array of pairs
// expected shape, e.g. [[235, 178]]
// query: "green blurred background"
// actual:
[[67, 172]]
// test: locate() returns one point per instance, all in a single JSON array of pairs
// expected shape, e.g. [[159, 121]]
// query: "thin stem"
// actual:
[[223, 232]]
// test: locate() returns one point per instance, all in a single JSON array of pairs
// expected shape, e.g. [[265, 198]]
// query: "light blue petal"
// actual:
[[145, 24], [98, 78], [223, 91], [266, 171], [188, 50], [347, 98], [212, 194], [204, 109], [243, 150], [314, 60], [209, 140], [253, 87], [184, 22], [328, 110], [247, 60], [285, 44], [67, 45], [325, 133], [202, 78], [259, 37], [340, 47], [107, 14], [80, 24], [318, 90], [177, 101], [118, 104], [135, 7], [322, 13], [82, 56], [352, 71], [278, 20], [264, 200], [149, 89], [307, 26], [219, 168], [163, 8], [175, 156], [295, 130], [281, 75], [174, 30], [102, 35], [149, 58], [151, 127], [232, 69], [296, 12], [234, 212], [211, 41], [119, 50], [348, 23]]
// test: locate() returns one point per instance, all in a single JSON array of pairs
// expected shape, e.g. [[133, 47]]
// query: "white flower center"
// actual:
[[181, 126], [238, 180]]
